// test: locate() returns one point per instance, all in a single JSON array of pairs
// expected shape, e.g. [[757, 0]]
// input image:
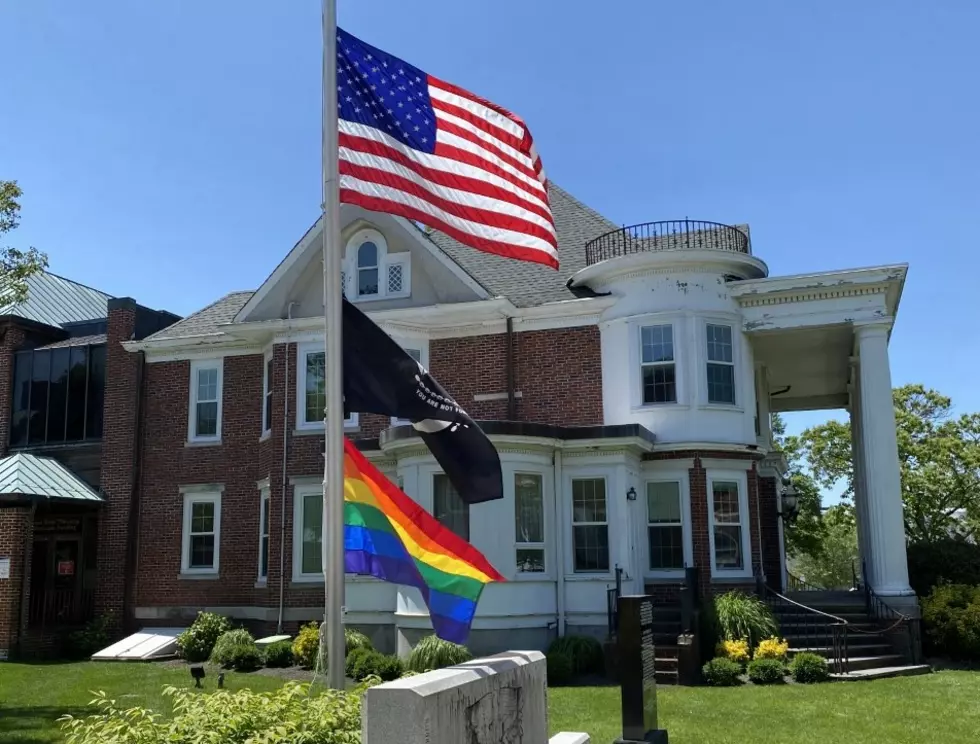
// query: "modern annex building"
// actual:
[[628, 395]]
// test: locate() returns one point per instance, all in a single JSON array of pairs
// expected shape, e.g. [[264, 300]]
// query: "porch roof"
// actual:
[[27, 475]]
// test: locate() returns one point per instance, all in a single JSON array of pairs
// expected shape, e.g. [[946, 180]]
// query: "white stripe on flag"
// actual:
[[488, 138], [453, 140], [478, 110]]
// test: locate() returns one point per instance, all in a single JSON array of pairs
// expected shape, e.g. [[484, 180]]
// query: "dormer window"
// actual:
[[371, 272]]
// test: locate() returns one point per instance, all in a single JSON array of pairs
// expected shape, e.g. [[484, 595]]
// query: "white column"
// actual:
[[879, 450], [859, 483]]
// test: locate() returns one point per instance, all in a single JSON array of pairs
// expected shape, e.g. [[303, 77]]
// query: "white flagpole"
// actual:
[[333, 420]]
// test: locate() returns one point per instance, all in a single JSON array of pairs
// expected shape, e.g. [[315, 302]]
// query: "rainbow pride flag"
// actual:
[[389, 536]]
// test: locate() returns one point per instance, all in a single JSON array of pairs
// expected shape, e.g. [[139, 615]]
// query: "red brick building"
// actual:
[[628, 395]]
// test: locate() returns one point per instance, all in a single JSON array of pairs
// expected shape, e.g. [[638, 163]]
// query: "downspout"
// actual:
[[511, 400], [560, 545], [285, 457], [132, 544], [28, 558], [758, 523]]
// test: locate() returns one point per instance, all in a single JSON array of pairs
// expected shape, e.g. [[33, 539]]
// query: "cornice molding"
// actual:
[[794, 296]]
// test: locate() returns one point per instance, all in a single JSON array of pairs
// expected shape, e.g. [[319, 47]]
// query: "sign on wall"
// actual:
[[4, 568]]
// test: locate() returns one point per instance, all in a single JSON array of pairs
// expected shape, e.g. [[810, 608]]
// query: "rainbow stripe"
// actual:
[[389, 536]]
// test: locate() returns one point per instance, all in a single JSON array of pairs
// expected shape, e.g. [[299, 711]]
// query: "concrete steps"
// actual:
[[907, 670]]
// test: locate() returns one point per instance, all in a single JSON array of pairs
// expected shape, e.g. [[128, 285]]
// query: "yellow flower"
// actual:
[[737, 651], [772, 648]]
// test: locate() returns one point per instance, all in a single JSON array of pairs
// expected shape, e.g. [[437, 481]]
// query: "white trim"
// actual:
[[734, 331], [681, 477], [266, 392], [196, 368], [385, 260], [302, 352], [740, 478], [192, 497], [300, 492], [636, 328], [545, 475], [265, 497], [606, 479]]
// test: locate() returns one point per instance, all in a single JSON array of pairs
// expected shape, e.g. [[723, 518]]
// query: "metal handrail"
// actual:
[[881, 611], [796, 584], [668, 235], [839, 627]]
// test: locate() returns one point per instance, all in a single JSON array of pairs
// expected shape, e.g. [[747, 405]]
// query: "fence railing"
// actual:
[[59, 607], [796, 584], [903, 630], [670, 235], [811, 625]]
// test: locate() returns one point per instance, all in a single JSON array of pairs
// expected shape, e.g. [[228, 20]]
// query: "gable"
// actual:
[[405, 269]]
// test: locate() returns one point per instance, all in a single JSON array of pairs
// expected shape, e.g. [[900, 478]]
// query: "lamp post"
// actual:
[[789, 501]]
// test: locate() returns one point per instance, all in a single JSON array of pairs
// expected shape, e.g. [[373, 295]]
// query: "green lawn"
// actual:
[[938, 707]]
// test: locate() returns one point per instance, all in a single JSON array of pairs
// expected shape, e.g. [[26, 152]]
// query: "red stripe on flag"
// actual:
[[507, 250], [444, 178], [492, 129], [448, 126], [472, 214], [469, 158]]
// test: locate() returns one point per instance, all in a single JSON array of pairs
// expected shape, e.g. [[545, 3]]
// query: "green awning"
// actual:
[[36, 477]]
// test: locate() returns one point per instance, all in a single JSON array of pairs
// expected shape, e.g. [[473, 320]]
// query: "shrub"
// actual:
[[245, 658], [354, 639], [366, 662], [290, 714], [230, 644], [307, 645], [951, 619], [197, 642], [389, 667], [807, 668], [952, 561], [721, 672], [90, 639], [737, 651], [434, 653], [740, 616], [561, 668], [772, 648], [584, 651], [353, 660], [766, 671], [279, 654]]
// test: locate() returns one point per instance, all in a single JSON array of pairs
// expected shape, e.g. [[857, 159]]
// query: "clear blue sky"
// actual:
[[170, 150]]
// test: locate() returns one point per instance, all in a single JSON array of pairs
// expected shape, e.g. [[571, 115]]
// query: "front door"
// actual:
[[55, 581]]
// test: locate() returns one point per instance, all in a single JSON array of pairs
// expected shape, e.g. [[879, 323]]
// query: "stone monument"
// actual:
[[501, 699], [637, 676]]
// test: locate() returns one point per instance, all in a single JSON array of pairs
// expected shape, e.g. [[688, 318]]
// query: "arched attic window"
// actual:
[[370, 272]]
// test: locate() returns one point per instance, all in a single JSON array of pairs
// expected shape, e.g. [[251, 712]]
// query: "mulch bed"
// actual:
[[291, 673]]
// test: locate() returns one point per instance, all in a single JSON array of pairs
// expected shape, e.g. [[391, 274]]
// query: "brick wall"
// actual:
[[769, 505], [16, 536], [11, 339]]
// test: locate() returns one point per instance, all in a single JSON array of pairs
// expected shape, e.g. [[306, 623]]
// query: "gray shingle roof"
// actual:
[[207, 320], [54, 301], [525, 284], [76, 341]]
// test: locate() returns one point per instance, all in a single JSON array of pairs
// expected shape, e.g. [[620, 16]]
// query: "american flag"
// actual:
[[421, 148]]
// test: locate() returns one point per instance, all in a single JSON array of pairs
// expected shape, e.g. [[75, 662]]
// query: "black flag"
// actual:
[[380, 377]]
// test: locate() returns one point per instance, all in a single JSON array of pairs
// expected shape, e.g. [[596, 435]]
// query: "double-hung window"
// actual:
[[728, 531], [201, 535], [311, 388], [590, 526], [721, 364], [529, 522], [204, 420], [375, 274], [267, 395], [307, 532], [657, 364], [264, 506], [665, 526], [448, 508]]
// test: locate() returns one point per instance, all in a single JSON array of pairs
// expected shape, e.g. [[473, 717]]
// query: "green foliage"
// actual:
[[951, 561], [86, 641], [245, 658], [197, 642], [355, 639], [230, 645], [561, 668], [951, 619], [279, 655], [807, 668], [833, 564], [721, 672], [805, 534], [766, 671], [434, 653], [584, 651], [16, 266], [290, 715], [353, 660], [306, 646], [740, 616], [364, 662]]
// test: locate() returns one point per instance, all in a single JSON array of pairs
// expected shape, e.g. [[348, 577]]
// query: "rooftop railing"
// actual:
[[672, 235]]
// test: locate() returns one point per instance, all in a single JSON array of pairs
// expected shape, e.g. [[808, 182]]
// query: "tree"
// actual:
[[939, 456], [15, 265], [832, 566], [806, 533]]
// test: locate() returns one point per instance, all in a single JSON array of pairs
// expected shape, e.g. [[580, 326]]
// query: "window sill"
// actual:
[[664, 577], [648, 407], [721, 407], [266, 436], [203, 443], [380, 297], [736, 579], [262, 584], [311, 582], [202, 576], [532, 576], [318, 431], [591, 577]]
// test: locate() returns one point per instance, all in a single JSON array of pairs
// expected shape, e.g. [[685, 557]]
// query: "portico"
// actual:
[[821, 342]]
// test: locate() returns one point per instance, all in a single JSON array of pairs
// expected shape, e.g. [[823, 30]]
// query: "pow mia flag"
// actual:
[[380, 377]]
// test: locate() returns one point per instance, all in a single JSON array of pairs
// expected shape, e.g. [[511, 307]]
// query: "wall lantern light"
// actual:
[[789, 501], [631, 494]]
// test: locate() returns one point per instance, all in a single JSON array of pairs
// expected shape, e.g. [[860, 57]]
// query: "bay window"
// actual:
[[529, 522], [657, 364], [590, 526], [721, 364]]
